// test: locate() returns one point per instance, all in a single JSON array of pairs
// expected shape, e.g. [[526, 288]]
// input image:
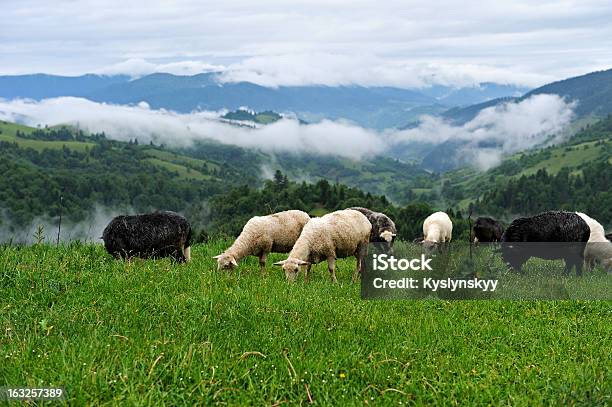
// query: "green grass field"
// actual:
[[154, 333]]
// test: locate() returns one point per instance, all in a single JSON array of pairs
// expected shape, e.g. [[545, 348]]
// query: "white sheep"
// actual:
[[262, 235], [598, 249], [437, 228], [339, 234]]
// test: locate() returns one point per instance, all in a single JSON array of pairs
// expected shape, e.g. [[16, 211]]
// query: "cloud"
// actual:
[[497, 131], [342, 69], [509, 128], [181, 130], [88, 230], [137, 67], [335, 41], [494, 133], [305, 69]]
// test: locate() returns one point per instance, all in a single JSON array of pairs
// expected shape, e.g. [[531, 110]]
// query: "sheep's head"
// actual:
[[387, 236], [430, 246], [291, 267], [226, 262]]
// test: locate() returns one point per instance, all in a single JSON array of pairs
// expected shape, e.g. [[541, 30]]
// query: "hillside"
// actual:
[[462, 115], [592, 94], [91, 171], [242, 115], [580, 169]]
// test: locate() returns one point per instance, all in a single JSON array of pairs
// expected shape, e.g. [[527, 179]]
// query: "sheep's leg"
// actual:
[[178, 256], [187, 253], [262, 262], [361, 254], [568, 267], [331, 266], [578, 265], [306, 271], [357, 269]]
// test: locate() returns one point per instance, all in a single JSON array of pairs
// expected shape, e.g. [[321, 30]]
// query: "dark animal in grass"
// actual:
[[152, 235], [487, 230], [549, 235], [383, 228]]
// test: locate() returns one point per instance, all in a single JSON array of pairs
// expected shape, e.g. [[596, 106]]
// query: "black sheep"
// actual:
[[564, 233], [152, 235], [383, 228], [487, 230]]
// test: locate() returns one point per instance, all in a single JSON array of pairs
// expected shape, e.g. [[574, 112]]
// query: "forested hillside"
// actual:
[[41, 166], [576, 175], [220, 186], [228, 212], [217, 186]]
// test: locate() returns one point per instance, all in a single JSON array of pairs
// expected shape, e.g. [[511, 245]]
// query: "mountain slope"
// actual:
[[592, 94], [462, 115], [531, 181], [470, 95]]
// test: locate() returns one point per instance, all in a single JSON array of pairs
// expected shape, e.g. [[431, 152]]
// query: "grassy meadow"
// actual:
[[154, 333]]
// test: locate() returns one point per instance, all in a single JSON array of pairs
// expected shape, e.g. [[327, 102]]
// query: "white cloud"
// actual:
[[89, 230], [162, 126], [137, 67], [497, 131], [342, 69], [303, 69]]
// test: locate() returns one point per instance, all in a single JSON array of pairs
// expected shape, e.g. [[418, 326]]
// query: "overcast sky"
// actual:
[[399, 43]]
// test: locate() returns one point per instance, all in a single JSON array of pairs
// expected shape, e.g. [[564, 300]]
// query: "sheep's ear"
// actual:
[[234, 262], [303, 263], [217, 256], [393, 234], [280, 263]]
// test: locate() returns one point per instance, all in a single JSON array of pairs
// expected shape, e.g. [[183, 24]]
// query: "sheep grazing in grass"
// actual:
[[262, 235], [383, 228], [437, 229], [152, 235], [339, 234], [598, 248], [487, 230], [565, 235]]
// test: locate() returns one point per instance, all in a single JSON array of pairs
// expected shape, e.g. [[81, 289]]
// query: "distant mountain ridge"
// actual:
[[41, 86], [374, 107]]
